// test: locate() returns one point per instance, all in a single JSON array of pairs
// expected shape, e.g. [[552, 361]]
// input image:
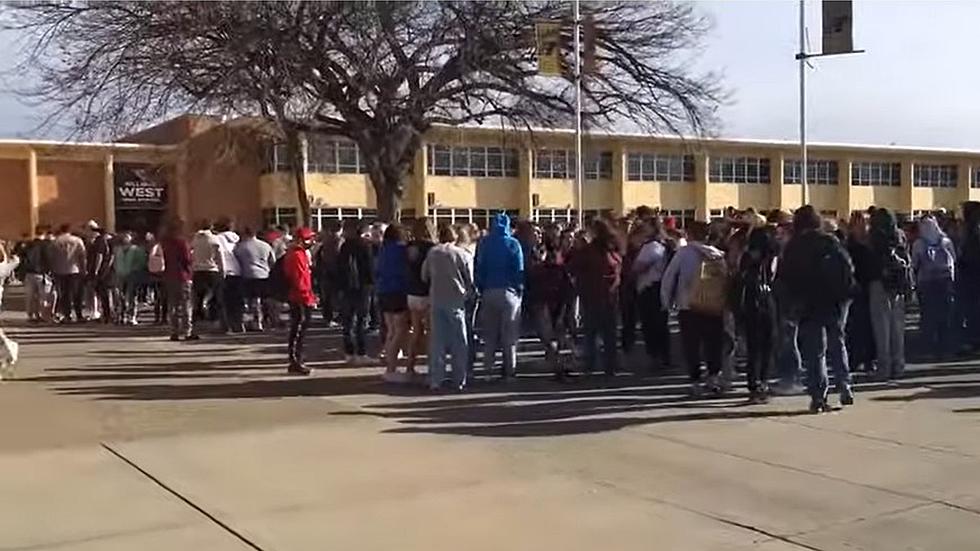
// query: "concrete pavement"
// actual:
[[120, 439]]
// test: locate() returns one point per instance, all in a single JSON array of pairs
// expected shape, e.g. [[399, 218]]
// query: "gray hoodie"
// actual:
[[449, 270], [675, 287]]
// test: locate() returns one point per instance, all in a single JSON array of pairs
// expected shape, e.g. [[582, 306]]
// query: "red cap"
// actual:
[[670, 223], [305, 234]]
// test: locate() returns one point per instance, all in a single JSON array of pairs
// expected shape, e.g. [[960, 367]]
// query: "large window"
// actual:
[[560, 163], [739, 170], [334, 156], [319, 218], [480, 162], [554, 216], [480, 217], [681, 217], [934, 176], [975, 176], [820, 172], [276, 158], [876, 173], [655, 167], [279, 216]]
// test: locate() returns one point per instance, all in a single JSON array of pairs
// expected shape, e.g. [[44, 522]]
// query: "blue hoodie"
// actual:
[[499, 259], [392, 269]]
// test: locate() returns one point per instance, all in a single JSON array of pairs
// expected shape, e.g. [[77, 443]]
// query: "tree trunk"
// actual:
[[294, 148], [389, 199]]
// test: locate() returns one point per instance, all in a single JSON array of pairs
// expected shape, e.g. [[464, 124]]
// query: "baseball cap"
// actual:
[[305, 234]]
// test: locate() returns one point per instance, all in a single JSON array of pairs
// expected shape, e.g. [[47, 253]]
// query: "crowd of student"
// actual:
[[791, 293]]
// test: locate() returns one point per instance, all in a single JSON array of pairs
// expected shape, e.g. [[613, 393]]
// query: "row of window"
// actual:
[[342, 157], [560, 163]]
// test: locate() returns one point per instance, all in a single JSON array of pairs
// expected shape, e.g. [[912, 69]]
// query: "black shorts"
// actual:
[[255, 288], [393, 303]]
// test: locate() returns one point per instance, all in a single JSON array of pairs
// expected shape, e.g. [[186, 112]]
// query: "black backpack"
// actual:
[[278, 285], [833, 280], [755, 288], [896, 273]]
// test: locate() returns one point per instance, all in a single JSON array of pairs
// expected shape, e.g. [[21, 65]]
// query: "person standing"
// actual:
[[648, 268], [207, 267], [550, 295], [255, 260], [8, 263], [695, 283], [355, 279], [968, 275], [859, 336], [448, 269], [817, 279], [178, 277], [99, 276], [325, 270], [231, 302], [933, 262], [499, 275], [392, 288], [891, 280], [755, 308], [423, 239], [466, 240], [69, 268], [130, 264], [598, 271], [36, 265], [299, 280]]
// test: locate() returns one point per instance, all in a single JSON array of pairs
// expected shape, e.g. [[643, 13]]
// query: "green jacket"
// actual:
[[130, 260]]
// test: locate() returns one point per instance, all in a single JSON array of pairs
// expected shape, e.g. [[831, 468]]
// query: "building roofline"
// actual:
[[122, 146], [730, 141]]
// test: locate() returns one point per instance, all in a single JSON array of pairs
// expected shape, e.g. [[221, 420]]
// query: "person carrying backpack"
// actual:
[[355, 280], [891, 280], [696, 284], [816, 278], [933, 261], [755, 308], [299, 280]]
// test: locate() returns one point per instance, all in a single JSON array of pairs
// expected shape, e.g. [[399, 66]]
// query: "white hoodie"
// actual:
[[675, 287], [206, 252], [227, 241]]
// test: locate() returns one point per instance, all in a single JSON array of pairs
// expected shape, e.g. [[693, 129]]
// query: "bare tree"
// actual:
[[378, 73]]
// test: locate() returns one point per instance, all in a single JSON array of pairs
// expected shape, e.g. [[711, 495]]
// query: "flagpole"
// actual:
[[578, 114], [803, 57]]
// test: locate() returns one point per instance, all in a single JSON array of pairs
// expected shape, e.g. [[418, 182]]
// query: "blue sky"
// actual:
[[917, 85]]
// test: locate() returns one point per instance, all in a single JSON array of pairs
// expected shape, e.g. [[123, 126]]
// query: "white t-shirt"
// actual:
[[650, 264]]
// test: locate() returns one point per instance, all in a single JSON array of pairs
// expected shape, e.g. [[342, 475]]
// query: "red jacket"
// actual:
[[176, 259], [296, 268]]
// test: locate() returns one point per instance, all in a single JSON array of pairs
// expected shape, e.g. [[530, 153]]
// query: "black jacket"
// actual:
[[355, 268]]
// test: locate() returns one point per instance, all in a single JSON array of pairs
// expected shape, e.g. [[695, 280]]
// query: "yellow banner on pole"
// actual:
[[548, 42]]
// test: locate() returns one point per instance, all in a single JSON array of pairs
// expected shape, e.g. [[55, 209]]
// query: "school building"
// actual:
[[199, 167]]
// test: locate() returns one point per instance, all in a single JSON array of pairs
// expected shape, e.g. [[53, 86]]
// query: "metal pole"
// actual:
[[802, 56], [578, 114]]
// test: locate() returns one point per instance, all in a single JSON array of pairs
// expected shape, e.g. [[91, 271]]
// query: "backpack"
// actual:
[[755, 295], [709, 291], [155, 263], [935, 262], [833, 280], [278, 285], [896, 274]]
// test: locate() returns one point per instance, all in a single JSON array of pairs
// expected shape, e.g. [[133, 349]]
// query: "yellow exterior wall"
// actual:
[[667, 195], [737, 195], [465, 192]]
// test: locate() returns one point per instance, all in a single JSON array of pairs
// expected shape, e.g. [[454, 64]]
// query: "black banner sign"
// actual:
[[140, 186]]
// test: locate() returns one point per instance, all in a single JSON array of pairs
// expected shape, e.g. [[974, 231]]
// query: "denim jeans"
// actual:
[[821, 339], [354, 308], [936, 304], [448, 334], [599, 321], [500, 312], [180, 301], [656, 332], [888, 326]]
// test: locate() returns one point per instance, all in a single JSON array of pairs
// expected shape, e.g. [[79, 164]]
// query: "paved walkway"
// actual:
[[120, 439]]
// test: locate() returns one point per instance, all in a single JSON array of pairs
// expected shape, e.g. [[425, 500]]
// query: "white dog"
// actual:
[[8, 356]]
